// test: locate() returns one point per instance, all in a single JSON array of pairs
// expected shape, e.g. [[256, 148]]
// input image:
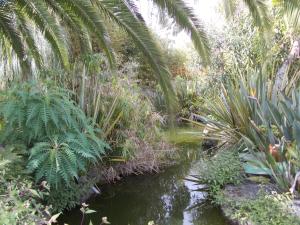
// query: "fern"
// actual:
[[61, 140], [60, 159], [31, 112]]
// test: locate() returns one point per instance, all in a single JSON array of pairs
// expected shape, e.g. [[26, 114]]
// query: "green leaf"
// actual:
[[90, 211], [296, 132]]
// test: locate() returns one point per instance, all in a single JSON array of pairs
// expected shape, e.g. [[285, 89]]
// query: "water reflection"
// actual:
[[166, 198]]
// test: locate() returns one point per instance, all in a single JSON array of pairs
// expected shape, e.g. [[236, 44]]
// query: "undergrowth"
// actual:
[[265, 209], [223, 168], [21, 202]]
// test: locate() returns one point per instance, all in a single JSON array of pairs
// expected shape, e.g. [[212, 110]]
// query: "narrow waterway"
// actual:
[[165, 198]]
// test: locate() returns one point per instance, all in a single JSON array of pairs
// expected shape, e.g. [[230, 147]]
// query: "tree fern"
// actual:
[[60, 159], [31, 112], [62, 142]]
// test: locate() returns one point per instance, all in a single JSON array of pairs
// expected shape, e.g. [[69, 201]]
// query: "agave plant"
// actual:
[[280, 158], [235, 109]]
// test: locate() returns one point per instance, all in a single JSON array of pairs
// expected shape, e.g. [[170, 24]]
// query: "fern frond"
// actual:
[[61, 159]]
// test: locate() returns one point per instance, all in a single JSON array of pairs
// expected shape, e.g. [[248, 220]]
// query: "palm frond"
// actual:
[[186, 19], [26, 31], [89, 16], [12, 35], [143, 39], [38, 12], [291, 8], [259, 10]]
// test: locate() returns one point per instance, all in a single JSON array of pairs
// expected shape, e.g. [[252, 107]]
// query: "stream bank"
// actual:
[[165, 198], [252, 203]]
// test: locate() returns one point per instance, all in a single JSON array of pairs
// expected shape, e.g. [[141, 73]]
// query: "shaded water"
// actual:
[[166, 198]]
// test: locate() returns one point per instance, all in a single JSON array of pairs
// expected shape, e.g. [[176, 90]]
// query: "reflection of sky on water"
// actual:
[[190, 214]]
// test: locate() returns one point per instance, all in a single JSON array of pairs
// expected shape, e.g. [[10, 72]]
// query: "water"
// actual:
[[166, 198]]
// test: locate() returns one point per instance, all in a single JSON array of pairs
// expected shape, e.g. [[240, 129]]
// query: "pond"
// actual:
[[166, 198]]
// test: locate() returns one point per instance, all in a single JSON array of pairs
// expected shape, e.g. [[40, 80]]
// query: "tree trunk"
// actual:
[[278, 84]]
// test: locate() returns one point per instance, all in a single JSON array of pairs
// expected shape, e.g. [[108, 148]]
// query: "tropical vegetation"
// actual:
[[89, 91]]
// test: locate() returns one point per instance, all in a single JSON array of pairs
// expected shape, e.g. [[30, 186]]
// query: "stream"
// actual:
[[165, 198]]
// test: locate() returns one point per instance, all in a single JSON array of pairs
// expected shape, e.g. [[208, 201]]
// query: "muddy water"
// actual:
[[165, 198]]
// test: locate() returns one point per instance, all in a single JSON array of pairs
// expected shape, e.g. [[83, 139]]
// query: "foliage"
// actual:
[[224, 168], [266, 130], [266, 209], [240, 46], [257, 8], [31, 112], [61, 140], [189, 94], [70, 197], [84, 22], [20, 203], [235, 109], [117, 106], [62, 158], [127, 119], [282, 135]]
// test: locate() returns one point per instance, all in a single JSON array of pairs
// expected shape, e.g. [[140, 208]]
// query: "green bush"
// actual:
[[68, 198], [31, 112], [126, 118], [20, 203], [223, 168], [189, 94], [60, 159], [60, 138]]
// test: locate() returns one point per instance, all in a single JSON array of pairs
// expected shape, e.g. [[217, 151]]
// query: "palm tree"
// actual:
[[55, 19], [258, 9], [85, 18]]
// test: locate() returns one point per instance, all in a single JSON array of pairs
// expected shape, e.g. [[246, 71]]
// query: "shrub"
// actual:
[[61, 140], [127, 118], [70, 197], [20, 204], [224, 168], [60, 159], [31, 112], [189, 95]]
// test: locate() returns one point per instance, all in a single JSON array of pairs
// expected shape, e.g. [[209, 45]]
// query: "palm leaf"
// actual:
[[188, 21], [257, 8], [143, 39]]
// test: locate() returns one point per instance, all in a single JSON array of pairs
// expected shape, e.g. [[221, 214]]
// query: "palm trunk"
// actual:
[[278, 84]]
